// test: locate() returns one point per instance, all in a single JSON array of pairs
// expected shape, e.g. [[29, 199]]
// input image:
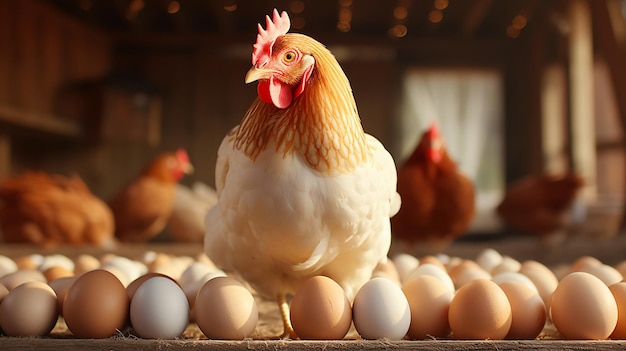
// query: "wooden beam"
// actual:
[[581, 95], [475, 16], [615, 56]]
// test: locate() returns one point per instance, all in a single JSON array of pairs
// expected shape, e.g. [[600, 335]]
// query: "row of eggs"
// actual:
[[493, 297]]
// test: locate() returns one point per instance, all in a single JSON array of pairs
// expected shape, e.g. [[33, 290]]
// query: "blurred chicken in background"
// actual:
[[540, 204], [143, 207], [438, 202], [191, 206], [44, 209]]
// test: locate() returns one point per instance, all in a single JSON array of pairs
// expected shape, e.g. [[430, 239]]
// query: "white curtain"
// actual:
[[467, 104]]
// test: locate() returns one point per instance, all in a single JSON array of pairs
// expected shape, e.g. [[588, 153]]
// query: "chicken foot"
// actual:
[[283, 306]]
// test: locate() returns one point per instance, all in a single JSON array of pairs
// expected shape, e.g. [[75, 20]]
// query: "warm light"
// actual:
[[400, 12], [440, 4], [344, 27], [296, 6], [519, 22], [345, 3], [345, 15], [173, 7], [512, 32], [398, 31], [133, 8], [230, 6], [435, 16]]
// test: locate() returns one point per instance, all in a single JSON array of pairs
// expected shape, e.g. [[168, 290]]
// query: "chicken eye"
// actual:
[[289, 56]]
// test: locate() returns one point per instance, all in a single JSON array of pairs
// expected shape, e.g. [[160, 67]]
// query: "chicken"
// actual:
[[302, 189], [144, 205], [191, 205], [539, 204], [438, 202], [50, 210]]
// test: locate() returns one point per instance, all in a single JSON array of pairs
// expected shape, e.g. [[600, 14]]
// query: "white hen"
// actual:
[[302, 190]]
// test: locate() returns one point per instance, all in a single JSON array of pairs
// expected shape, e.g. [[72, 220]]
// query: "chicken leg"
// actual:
[[288, 331]]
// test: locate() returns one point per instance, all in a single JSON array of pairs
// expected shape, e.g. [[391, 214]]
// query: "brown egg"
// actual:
[[96, 305], [583, 307], [225, 309], [85, 263], [320, 310], [429, 299], [527, 310], [60, 287], [544, 279], [3, 292], [480, 310], [30, 309], [388, 270], [56, 272], [619, 293]]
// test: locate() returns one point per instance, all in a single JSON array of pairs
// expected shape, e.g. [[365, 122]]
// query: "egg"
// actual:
[[583, 307], [606, 273], [619, 293], [488, 259], [467, 271], [528, 311], [429, 300], [96, 305], [132, 287], [405, 264], [7, 265], [480, 310], [508, 264], [84, 263], [387, 269], [514, 277], [434, 271], [159, 309], [56, 272], [320, 309], [29, 309], [225, 309], [544, 279], [16, 278], [60, 287], [381, 310]]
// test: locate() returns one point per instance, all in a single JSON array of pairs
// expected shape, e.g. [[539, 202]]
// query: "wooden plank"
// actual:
[[39, 122], [6, 56], [615, 56], [52, 52], [581, 95], [5, 155], [27, 43]]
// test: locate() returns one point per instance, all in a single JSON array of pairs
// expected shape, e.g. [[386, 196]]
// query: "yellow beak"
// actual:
[[255, 74]]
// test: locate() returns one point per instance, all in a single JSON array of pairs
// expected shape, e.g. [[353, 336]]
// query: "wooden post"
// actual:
[[615, 56], [581, 95]]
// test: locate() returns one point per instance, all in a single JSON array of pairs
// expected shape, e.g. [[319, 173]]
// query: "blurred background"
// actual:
[[519, 87]]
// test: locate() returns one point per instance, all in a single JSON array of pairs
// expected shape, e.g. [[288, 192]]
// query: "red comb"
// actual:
[[182, 156], [276, 26], [433, 130]]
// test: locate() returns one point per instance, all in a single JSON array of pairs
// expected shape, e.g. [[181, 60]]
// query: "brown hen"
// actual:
[[438, 202], [143, 207], [539, 204], [52, 209]]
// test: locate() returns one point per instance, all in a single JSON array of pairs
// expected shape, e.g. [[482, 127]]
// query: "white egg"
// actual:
[[7, 265], [434, 271], [381, 310], [488, 259], [159, 309], [56, 260], [405, 264]]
